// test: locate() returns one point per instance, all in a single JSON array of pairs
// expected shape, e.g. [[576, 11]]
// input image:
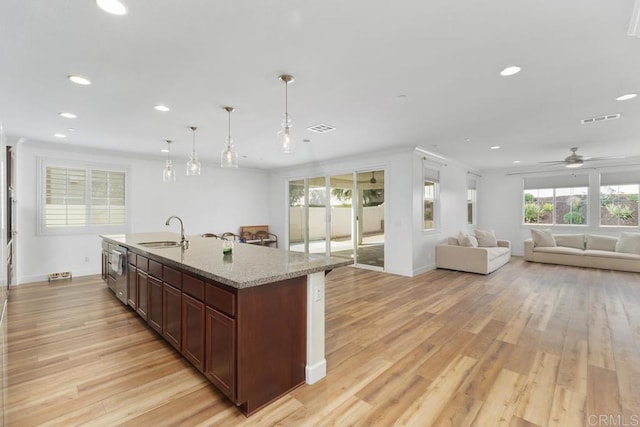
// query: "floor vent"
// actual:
[[321, 128], [601, 118]]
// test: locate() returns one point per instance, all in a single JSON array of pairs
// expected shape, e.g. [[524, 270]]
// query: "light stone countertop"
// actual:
[[250, 265]]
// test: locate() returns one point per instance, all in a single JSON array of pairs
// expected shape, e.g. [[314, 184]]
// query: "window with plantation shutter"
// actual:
[[65, 204], [81, 199], [107, 198]]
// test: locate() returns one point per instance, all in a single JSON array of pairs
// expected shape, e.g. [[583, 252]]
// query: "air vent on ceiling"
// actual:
[[601, 118], [321, 128]]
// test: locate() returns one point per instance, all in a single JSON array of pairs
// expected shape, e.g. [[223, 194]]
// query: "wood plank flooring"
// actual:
[[529, 345]]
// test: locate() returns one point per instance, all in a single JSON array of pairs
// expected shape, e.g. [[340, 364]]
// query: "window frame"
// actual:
[[88, 227], [555, 204], [472, 198], [431, 174]]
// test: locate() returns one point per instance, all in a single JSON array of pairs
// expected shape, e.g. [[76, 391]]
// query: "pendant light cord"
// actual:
[[229, 130]]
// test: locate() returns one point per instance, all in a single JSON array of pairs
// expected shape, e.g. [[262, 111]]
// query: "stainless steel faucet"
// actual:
[[183, 241]]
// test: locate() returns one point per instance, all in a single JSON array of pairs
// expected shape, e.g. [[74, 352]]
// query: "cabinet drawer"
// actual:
[[193, 286], [172, 277], [155, 269], [142, 263], [220, 299], [132, 258]]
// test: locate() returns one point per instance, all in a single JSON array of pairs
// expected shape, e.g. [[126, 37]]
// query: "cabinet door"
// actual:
[[154, 312], [143, 288], [220, 351], [193, 331], [171, 315], [132, 285]]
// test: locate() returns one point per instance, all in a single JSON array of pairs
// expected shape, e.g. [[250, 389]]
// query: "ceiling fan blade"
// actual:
[[555, 162], [605, 158]]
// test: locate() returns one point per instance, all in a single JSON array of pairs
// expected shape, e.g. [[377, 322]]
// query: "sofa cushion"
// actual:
[[496, 252], [486, 239], [601, 243], [559, 250], [610, 254], [570, 240], [542, 238], [467, 240], [628, 243]]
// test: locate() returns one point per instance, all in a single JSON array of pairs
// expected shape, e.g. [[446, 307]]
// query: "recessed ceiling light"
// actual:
[[59, 135], [516, 161], [68, 115], [510, 71], [113, 7], [79, 80], [495, 147], [162, 108], [626, 97], [467, 139], [71, 129]]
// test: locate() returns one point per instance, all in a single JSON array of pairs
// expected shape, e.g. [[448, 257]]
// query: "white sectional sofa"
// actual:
[[588, 250], [481, 260]]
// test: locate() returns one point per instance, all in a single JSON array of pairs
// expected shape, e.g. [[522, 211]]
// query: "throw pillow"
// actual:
[[467, 240], [601, 243], [486, 239], [542, 238], [628, 243]]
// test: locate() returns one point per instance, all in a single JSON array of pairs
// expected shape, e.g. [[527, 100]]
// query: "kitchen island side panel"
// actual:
[[271, 341]]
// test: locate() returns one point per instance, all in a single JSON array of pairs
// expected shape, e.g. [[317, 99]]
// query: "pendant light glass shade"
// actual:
[[286, 143], [228, 157], [193, 165], [169, 173]]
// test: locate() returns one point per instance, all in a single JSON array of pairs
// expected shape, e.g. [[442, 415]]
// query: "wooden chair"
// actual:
[[247, 236]]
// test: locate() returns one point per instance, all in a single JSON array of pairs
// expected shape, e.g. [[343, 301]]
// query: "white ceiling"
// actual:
[[385, 74]]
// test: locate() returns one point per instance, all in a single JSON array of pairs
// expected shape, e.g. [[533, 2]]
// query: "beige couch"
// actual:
[[583, 251], [452, 256]]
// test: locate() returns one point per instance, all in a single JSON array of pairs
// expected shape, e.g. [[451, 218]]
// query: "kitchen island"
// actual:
[[252, 322]]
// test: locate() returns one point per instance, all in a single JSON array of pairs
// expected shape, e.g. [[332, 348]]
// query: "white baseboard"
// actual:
[[22, 280], [424, 269], [316, 372]]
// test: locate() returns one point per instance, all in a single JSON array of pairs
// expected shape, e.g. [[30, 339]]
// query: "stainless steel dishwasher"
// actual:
[[118, 272]]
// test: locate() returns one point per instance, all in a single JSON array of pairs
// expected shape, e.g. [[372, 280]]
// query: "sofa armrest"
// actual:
[[528, 250], [504, 243]]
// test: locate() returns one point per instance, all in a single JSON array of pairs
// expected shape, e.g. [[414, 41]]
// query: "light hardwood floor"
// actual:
[[529, 345]]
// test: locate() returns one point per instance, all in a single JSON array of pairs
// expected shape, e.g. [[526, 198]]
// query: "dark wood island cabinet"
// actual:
[[249, 340]]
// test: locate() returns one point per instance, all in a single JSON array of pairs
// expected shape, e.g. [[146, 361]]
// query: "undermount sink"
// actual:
[[161, 244]]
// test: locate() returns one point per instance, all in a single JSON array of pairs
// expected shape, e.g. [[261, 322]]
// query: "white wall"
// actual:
[[218, 200], [453, 211], [500, 206]]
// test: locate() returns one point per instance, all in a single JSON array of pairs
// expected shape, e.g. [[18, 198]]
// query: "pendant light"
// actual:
[[193, 165], [373, 179], [285, 138], [228, 157], [169, 173]]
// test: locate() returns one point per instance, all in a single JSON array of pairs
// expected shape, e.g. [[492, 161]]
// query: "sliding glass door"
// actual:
[[340, 215]]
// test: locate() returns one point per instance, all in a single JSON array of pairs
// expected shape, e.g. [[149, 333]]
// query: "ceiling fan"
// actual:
[[575, 160]]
